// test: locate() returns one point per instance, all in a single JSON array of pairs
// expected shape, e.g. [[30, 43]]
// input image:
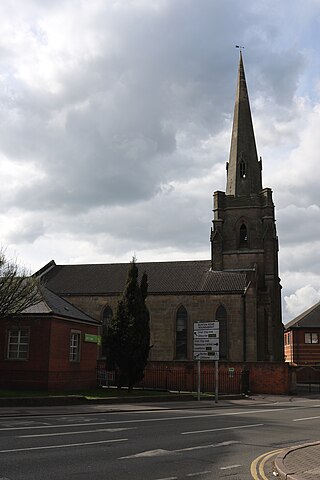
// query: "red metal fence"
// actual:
[[185, 380]]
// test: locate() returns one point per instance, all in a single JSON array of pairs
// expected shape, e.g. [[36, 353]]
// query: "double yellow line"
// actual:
[[257, 466]]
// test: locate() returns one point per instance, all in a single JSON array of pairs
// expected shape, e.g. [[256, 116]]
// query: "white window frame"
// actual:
[[18, 344], [75, 346], [311, 338]]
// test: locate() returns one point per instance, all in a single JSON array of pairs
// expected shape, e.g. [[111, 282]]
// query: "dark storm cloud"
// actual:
[[109, 135], [116, 118]]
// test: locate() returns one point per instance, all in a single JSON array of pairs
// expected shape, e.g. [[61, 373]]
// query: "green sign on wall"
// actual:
[[88, 337]]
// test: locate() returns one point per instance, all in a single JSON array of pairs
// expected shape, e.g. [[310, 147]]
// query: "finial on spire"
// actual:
[[240, 49]]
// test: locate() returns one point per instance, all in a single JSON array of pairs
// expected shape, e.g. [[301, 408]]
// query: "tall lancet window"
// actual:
[[243, 236], [181, 334], [243, 170]]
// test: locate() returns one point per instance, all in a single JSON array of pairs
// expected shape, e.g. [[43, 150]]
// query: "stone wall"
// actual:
[[163, 308]]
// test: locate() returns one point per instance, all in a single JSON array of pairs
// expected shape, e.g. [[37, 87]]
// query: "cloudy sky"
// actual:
[[115, 122]]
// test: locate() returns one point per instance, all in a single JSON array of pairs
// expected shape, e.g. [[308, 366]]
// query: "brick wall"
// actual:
[[269, 378], [48, 365], [33, 372], [63, 374], [302, 353]]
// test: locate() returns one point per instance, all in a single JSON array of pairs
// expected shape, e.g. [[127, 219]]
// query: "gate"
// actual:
[[308, 378]]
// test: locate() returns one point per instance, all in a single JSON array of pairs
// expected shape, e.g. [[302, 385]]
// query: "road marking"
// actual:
[[258, 472], [224, 428], [24, 423], [111, 430], [68, 445], [259, 411], [167, 478], [160, 452], [197, 474], [149, 453], [164, 410], [264, 460], [306, 418], [149, 420], [212, 445], [229, 467]]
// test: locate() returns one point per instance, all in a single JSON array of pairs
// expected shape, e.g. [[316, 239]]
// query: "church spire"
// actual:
[[244, 169]]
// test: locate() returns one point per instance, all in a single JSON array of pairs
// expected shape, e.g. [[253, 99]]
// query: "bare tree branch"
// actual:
[[18, 290]]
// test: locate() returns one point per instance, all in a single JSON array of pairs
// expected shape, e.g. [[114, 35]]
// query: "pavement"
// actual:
[[32, 406], [301, 462]]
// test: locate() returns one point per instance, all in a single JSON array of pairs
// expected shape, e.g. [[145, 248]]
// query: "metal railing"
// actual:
[[184, 380]]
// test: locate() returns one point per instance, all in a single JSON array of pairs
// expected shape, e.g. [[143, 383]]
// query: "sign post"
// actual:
[[216, 383], [206, 347], [199, 379]]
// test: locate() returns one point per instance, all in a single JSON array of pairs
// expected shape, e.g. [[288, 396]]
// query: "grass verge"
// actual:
[[89, 394]]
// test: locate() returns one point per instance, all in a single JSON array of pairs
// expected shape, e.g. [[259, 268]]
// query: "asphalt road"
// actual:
[[223, 442]]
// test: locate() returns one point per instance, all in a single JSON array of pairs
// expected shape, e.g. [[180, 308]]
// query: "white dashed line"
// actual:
[[68, 445], [197, 474], [306, 418], [224, 428], [229, 467], [110, 430]]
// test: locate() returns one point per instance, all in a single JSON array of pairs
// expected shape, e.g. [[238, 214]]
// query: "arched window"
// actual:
[[243, 171], [221, 317], [243, 241], [181, 334], [106, 317]]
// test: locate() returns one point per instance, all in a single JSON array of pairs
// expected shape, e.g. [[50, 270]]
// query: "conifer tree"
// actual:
[[129, 332]]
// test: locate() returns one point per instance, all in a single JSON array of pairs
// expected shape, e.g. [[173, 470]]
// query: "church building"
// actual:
[[239, 287]]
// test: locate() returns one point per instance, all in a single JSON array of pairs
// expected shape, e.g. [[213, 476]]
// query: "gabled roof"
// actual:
[[163, 277], [53, 304], [310, 318]]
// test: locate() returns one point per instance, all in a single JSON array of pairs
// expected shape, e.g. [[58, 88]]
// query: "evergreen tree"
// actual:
[[129, 332]]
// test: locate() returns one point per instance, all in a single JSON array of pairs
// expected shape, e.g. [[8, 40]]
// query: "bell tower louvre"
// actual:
[[244, 237]]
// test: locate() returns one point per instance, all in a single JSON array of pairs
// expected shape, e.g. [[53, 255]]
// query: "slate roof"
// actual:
[[308, 319], [52, 304], [163, 278]]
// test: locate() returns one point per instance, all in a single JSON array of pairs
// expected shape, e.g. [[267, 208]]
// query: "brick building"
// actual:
[[302, 338], [50, 346], [239, 287]]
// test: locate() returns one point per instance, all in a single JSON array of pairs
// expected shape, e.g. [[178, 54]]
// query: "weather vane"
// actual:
[[240, 47]]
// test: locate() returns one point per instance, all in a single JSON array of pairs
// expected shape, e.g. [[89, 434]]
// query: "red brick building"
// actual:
[[302, 338], [50, 346]]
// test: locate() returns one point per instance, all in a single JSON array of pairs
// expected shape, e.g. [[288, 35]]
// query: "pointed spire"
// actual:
[[244, 169]]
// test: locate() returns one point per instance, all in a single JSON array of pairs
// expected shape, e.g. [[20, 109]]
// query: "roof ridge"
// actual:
[[42, 288], [302, 315]]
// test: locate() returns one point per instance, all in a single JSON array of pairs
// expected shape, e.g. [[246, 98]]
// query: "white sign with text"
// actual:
[[206, 341]]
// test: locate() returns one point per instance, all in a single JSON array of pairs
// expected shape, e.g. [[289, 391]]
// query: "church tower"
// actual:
[[243, 236]]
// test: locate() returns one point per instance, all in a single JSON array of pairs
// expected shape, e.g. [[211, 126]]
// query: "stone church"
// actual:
[[239, 287]]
